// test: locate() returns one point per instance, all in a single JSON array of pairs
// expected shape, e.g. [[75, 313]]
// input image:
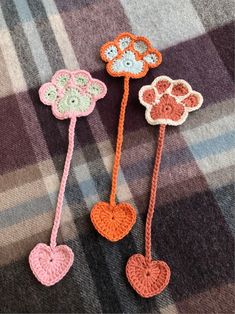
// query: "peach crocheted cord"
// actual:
[[153, 192], [148, 277], [167, 102], [119, 141]]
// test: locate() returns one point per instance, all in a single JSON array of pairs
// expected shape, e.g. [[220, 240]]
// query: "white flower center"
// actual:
[[128, 63], [73, 101]]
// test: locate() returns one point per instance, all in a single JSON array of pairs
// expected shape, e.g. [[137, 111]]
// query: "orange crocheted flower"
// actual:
[[130, 56], [169, 101]]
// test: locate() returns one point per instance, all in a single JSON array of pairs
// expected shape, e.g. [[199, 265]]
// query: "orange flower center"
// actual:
[[167, 108], [168, 103]]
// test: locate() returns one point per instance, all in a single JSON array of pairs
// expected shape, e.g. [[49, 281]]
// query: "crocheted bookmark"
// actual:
[[167, 101], [131, 57], [71, 94]]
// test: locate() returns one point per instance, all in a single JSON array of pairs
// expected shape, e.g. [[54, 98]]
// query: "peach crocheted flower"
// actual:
[[72, 93], [130, 56], [169, 101]]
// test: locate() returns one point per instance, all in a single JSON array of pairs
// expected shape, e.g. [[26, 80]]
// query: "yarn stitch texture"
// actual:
[[129, 56], [167, 102], [71, 94]]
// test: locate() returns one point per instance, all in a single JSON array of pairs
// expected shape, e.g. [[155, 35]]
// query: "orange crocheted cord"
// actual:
[[153, 192], [129, 56], [119, 141], [114, 221]]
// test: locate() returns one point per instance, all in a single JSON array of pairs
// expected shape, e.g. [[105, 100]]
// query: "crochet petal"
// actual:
[[97, 89], [193, 101], [153, 58], [140, 46], [124, 40], [61, 78], [48, 94], [108, 51], [162, 84], [148, 95], [81, 78], [180, 88]]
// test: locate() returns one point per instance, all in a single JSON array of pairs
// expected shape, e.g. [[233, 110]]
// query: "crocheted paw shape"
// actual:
[[169, 101], [130, 56], [72, 93], [113, 221], [50, 265], [147, 278]]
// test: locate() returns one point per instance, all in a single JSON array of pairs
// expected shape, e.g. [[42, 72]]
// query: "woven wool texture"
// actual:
[[193, 222]]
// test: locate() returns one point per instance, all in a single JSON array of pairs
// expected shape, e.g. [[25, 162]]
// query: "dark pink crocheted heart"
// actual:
[[147, 278]]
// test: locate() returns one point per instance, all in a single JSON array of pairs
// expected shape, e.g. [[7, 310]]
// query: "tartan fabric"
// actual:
[[193, 226]]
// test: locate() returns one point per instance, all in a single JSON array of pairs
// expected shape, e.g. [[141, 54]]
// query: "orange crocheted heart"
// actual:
[[147, 278], [113, 222]]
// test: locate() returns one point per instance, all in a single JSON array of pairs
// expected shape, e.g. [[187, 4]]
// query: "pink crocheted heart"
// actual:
[[147, 278], [49, 265]]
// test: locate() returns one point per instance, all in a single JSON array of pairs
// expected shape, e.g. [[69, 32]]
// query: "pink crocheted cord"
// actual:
[[50, 264], [60, 200], [71, 94]]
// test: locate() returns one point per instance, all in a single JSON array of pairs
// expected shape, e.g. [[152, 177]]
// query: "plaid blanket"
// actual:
[[193, 224]]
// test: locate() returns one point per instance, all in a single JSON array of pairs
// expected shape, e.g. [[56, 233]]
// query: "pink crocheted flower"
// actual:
[[169, 101], [72, 93]]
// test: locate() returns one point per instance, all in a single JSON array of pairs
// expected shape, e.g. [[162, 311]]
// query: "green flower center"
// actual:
[[94, 89], [51, 94], [62, 80], [81, 80], [73, 100]]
